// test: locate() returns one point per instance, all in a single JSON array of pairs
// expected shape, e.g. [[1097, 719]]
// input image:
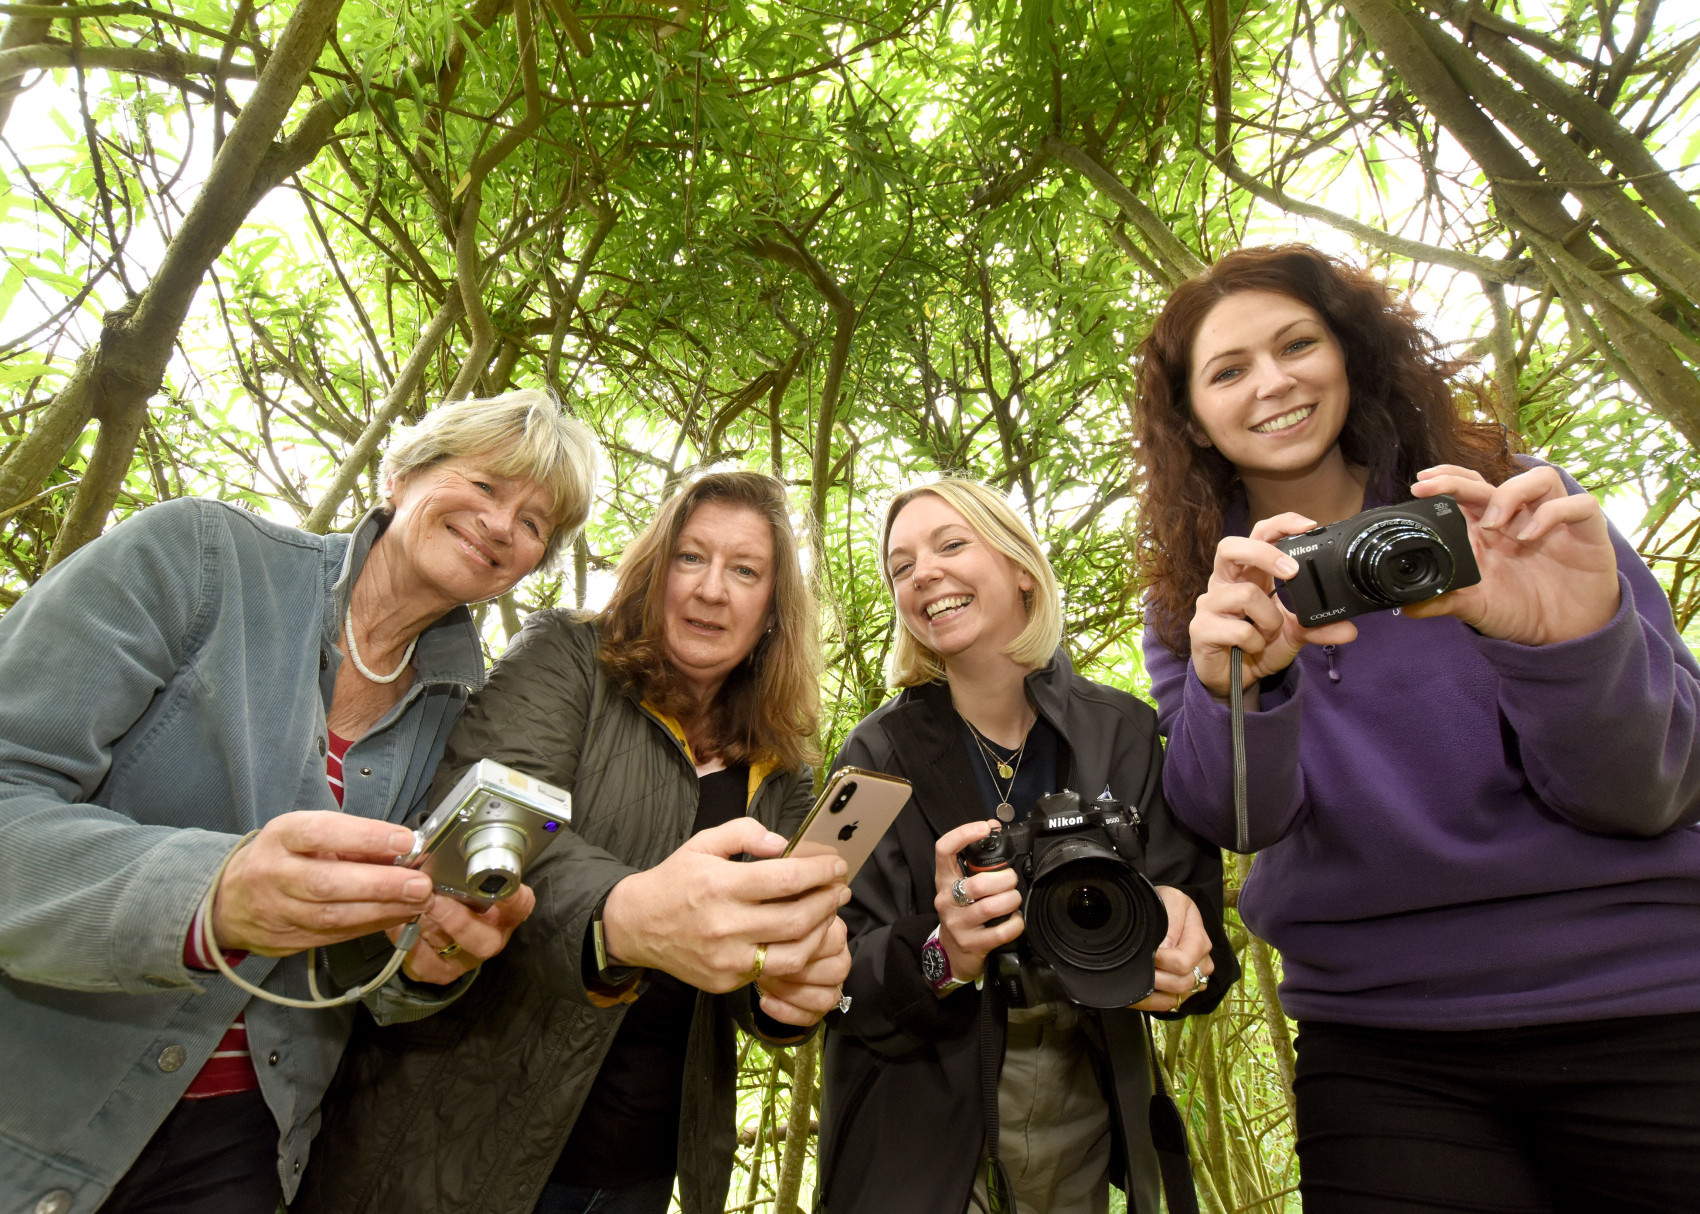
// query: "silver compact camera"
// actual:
[[478, 842]]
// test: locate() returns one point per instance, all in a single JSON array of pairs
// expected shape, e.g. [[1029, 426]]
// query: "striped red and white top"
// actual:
[[231, 1068]]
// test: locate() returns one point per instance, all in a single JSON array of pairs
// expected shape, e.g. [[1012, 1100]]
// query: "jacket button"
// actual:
[[324, 660], [271, 1058], [56, 1202], [365, 771], [321, 748], [296, 1167], [172, 1057]]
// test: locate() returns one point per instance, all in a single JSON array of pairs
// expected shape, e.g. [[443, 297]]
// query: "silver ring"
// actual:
[[958, 894], [1200, 980], [843, 1001]]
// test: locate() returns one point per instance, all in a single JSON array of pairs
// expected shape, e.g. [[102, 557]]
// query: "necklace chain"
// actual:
[[354, 654], [1006, 811]]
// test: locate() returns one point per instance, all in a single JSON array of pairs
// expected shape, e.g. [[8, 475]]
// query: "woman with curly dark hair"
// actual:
[[1474, 815]]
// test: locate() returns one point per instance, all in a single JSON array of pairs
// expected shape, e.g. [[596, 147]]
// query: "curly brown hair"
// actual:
[[769, 707], [1406, 413]]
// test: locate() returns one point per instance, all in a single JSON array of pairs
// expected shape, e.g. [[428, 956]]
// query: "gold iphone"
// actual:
[[850, 816]]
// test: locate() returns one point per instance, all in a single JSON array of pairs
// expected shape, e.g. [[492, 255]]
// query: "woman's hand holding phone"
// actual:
[[1240, 608], [700, 915]]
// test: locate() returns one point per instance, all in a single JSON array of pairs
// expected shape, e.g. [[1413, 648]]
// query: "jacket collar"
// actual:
[[760, 769], [923, 733], [448, 650]]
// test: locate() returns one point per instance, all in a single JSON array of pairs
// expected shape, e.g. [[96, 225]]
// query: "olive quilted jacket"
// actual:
[[467, 1111]]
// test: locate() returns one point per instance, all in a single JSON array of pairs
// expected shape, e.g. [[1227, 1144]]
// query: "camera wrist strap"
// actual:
[[209, 945], [1236, 729]]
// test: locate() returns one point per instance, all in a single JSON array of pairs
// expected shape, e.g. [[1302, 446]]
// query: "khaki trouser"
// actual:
[[1053, 1121]]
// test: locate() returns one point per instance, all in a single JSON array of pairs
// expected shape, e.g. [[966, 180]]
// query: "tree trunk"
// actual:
[[126, 368], [1635, 342], [797, 1139]]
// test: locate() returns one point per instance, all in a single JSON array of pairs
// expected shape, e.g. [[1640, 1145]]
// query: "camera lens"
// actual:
[[842, 799], [495, 859], [1398, 560], [1093, 914], [1089, 908]]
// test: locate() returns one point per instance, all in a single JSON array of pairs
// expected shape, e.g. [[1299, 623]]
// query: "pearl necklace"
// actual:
[[354, 654]]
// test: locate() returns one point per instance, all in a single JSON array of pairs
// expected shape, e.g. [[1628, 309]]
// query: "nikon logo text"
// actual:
[[1067, 820], [1302, 551]]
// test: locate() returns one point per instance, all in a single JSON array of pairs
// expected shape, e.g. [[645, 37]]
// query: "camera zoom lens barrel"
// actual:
[[495, 859], [1398, 560]]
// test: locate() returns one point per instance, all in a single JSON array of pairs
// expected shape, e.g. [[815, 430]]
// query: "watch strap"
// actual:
[[608, 975], [935, 967]]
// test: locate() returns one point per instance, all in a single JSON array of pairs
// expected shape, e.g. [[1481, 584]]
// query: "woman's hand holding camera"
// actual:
[[1240, 608], [965, 932], [1183, 959], [316, 877], [455, 939], [1549, 572], [708, 920]]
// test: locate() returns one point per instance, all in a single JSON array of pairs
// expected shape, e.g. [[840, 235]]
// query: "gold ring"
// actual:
[[449, 950], [761, 962]]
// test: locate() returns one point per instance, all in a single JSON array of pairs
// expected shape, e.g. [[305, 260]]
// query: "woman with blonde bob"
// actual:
[[991, 718], [597, 1062]]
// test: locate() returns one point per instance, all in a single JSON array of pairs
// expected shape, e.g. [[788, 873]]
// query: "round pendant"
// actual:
[[1005, 771], [1006, 812]]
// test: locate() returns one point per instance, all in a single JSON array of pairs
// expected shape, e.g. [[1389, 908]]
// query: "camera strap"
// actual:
[[1168, 1135], [1236, 729], [1000, 1193]]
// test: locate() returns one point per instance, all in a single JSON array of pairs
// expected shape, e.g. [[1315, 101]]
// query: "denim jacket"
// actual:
[[161, 693]]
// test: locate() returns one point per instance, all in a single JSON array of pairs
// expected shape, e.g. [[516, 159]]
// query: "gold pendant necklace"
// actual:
[[1005, 810]]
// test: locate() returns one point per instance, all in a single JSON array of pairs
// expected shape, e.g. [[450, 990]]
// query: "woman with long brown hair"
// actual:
[[1473, 814], [598, 1064]]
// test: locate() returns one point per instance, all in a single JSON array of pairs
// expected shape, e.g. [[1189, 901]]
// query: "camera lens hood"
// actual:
[[1095, 921]]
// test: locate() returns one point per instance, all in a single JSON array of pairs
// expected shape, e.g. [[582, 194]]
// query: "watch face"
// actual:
[[935, 966]]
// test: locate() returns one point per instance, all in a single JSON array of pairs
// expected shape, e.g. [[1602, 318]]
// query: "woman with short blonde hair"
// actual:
[[991, 719], [214, 676], [990, 514]]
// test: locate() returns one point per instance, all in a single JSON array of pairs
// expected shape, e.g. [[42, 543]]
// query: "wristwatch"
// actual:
[[607, 973], [935, 967]]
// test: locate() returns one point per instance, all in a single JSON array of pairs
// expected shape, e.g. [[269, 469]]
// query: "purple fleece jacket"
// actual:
[[1455, 832]]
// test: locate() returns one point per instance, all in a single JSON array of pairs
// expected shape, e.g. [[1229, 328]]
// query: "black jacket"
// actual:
[[902, 1118]]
